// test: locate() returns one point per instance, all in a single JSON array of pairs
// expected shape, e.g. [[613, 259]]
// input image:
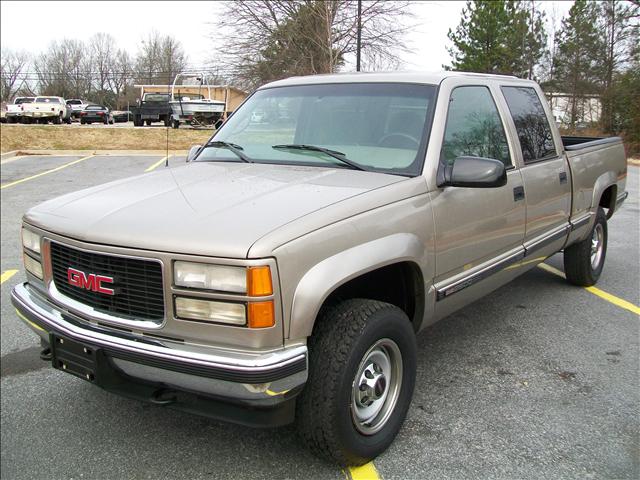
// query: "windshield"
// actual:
[[156, 97], [378, 126]]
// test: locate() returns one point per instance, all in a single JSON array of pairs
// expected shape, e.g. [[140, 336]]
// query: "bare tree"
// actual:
[[265, 40], [64, 69], [160, 58], [120, 79], [12, 76], [102, 52]]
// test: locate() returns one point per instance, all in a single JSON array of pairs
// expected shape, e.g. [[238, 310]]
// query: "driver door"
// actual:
[[479, 231]]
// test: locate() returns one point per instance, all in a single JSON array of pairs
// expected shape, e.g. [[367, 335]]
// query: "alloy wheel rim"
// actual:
[[376, 386]]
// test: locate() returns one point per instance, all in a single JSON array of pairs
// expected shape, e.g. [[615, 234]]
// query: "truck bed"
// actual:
[[572, 143]]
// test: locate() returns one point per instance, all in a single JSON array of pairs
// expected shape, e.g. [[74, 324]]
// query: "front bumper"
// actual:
[[250, 388]]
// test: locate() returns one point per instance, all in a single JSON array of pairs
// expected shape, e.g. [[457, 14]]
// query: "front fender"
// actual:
[[322, 279]]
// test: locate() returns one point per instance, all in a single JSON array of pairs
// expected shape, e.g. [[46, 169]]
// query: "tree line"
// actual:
[[594, 51], [95, 70]]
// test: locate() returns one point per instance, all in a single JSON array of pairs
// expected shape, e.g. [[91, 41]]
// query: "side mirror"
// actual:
[[473, 172], [218, 124], [193, 152]]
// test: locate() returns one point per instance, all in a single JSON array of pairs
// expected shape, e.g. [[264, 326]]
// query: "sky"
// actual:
[[129, 21]]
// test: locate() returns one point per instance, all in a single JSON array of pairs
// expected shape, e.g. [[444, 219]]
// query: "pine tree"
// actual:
[[498, 37], [618, 27], [577, 66]]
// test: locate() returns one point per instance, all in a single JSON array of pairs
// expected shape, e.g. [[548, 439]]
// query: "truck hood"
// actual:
[[214, 209]]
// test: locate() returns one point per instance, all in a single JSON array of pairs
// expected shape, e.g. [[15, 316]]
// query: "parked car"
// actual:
[[284, 275], [96, 113], [14, 111], [43, 110], [120, 116], [77, 105], [154, 107]]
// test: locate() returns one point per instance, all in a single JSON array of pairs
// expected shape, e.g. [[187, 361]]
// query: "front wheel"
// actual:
[[584, 261], [362, 366]]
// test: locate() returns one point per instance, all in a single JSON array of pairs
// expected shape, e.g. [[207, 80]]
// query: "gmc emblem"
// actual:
[[91, 281]]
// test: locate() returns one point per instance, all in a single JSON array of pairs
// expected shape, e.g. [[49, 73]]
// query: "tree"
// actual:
[[498, 37], [618, 27], [160, 58], [576, 63], [120, 79], [102, 52], [64, 70], [265, 40], [12, 76]]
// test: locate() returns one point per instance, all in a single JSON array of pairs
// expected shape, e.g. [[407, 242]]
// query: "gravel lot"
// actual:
[[537, 380]]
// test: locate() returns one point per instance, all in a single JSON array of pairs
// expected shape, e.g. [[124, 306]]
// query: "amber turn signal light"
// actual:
[[259, 281], [261, 314]]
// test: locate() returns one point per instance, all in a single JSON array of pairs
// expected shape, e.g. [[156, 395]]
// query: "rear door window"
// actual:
[[474, 127], [532, 125]]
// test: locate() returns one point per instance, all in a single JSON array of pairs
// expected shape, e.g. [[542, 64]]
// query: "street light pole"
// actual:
[[359, 36]]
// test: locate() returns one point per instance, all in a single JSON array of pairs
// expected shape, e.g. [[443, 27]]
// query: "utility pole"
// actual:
[[359, 36]]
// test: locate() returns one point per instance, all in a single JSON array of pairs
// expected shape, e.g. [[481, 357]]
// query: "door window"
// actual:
[[474, 127], [532, 125]]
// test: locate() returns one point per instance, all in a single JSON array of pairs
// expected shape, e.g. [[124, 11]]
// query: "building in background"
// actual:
[[588, 109]]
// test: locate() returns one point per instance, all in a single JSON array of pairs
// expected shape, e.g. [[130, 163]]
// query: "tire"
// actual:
[[106, 121], [175, 124], [348, 337], [58, 120], [137, 121], [167, 121], [82, 122], [148, 122], [584, 261]]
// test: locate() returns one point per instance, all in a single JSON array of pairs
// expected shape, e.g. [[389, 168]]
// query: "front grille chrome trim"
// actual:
[[88, 311]]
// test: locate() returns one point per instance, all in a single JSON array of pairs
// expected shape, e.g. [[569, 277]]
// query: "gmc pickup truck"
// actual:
[[284, 272]]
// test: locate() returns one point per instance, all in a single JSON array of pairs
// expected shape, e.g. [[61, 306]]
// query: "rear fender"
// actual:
[[603, 182]]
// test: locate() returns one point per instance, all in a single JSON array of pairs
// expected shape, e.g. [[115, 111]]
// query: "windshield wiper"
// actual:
[[237, 149], [327, 151]]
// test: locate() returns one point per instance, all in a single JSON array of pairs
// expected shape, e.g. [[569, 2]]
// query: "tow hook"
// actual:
[[45, 354], [164, 396]]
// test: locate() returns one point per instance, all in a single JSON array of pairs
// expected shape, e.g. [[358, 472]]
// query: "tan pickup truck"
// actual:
[[284, 272]]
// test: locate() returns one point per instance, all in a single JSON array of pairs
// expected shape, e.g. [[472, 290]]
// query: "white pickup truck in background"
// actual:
[[14, 110], [77, 105], [46, 109]]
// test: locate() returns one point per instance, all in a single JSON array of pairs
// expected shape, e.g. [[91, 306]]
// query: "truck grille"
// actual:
[[137, 284]]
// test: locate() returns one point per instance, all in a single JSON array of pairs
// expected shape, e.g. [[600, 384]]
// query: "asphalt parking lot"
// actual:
[[537, 380]]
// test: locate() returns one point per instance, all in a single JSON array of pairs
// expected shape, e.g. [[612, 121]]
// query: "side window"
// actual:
[[474, 127], [531, 123]]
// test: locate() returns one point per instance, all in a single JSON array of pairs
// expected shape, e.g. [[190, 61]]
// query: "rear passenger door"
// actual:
[[545, 173]]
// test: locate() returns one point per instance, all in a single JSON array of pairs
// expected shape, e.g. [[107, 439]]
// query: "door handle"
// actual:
[[518, 193], [563, 177]]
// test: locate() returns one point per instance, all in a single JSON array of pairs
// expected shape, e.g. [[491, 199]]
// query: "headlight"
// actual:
[[33, 266], [211, 311], [222, 278], [30, 240]]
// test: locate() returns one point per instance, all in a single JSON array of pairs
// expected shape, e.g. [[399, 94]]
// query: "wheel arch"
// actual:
[[348, 274], [605, 193]]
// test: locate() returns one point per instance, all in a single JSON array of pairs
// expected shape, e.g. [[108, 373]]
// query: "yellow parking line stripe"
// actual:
[[7, 275], [365, 472], [38, 327], [157, 164], [596, 291], [11, 184], [615, 300]]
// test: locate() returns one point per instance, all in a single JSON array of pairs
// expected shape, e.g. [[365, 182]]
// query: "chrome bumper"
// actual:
[[263, 379]]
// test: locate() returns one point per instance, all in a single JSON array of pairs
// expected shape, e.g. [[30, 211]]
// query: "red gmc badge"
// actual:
[[89, 281]]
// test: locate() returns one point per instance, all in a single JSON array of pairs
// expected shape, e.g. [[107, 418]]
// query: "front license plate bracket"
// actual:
[[73, 357]]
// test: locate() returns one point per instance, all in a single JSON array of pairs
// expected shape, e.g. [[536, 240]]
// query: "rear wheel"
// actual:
[[362, 364], [58, 120], [148, 122], [584, 261], [137, 121], [175, 124]]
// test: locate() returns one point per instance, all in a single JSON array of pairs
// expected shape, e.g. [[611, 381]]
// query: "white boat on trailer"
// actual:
[[194, 109]]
